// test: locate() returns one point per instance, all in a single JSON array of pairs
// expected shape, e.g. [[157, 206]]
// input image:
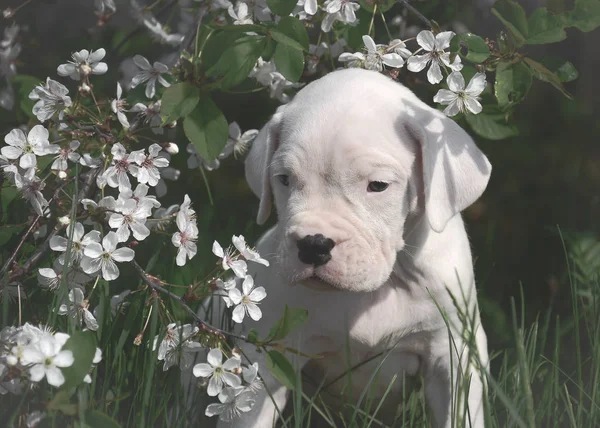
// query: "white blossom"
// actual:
[[240, 14], [84, 63], [434, 45], [103, 257], [130, 217], [118, 107], [31, 188], [248, 253], [218, 372], [150, 115], [233, 402], [150, 74], [238, 143], [185, 238], [148, 164], [116, 175], [27, 148], [176, 341], [51, 98], [45, 359], [238, 267], [247, 300], [64, 154], [375, 58], [457, 97], [78, 309], [80, 241], [338, 10]]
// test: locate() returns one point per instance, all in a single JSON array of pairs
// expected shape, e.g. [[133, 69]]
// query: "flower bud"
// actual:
[[84, 89], [8, 13], [171, 148], [64, 220], [62, 175], [138, 340]]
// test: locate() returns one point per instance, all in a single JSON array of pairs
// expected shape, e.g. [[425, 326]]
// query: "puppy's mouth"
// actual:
[[315, 282]]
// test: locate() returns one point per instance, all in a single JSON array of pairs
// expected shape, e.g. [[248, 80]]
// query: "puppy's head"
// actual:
[[345, 164]]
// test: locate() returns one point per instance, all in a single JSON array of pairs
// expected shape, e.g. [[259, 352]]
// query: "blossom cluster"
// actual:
[[31, 353]]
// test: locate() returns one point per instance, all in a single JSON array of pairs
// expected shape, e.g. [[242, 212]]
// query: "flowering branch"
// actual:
[[155, 284]]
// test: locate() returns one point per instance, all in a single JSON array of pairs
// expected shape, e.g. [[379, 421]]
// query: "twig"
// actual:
[[28, 266], [195, 25], [419, 15], [13, 256], [155, 284]]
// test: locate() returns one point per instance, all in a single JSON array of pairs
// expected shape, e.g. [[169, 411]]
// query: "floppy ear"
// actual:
[[455, 171], [258, 162]]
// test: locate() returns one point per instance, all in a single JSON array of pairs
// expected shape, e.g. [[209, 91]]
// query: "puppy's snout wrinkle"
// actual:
[[315, 249]]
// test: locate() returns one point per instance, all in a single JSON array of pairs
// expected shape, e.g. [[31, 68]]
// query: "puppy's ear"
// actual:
[[258, 162], [455, 171]]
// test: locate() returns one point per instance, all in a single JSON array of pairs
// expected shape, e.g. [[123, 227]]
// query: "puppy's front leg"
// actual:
[[448, 377]]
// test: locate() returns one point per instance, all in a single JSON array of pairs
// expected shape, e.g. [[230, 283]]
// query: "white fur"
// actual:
[[394, 249]]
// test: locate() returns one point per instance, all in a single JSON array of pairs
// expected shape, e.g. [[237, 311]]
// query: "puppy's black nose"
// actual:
[[315, 249]]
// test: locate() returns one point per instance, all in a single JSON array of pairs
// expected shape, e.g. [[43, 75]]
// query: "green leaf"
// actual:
[[491, 126], [269, 50], [542, 73], [281, 369], [62, 403], [207, 129], [282, 7], [512, 83], [564, 70], [216, 44], [585, 16], [294, 29], [178, 101], [289, 321], [83, 346], [238, 60], [96, 419], [514, 19], [253, 336], [284, 39], [545, 27], [477, 49], [382, 5], [289, 62]]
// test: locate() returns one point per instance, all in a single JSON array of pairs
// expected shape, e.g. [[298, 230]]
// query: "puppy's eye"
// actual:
[[284, 179], [377, 186]]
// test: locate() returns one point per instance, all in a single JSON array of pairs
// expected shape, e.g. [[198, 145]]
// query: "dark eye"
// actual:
[[377, 186], [284, 179]]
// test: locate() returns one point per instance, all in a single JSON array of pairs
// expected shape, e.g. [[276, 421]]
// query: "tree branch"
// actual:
[[156, 284]]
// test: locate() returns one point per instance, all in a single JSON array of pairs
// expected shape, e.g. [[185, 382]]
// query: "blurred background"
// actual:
[[545, 188]]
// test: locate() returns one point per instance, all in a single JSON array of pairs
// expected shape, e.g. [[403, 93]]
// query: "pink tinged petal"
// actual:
[[176, 239], [456, 81], [442, 40], [11, 152], [123, 254], [434, 74], [142, 62], [215, 357], [37, 373], [15, 138], [215, 385], [54, 376], [426, 40], [203, 370], [476, 85], [91, 265], [239, 267], [238, 313], [393, 60], [369, 43], [28, 161], [93, 250], [254, 311], [444, 96], [417, 63], [258, 294], [231, 379], [110, 271], [64, 359], [472, 105]]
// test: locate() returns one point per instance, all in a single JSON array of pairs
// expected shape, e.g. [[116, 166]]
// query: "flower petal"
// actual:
[[442, 40], [426, 40], [123, 254], [456, 81], [417, 63], [476, 85]]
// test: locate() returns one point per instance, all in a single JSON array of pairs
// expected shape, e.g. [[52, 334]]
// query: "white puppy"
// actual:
[[368, 183]]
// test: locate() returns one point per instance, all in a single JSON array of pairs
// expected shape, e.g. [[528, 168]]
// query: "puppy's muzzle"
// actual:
[[315, 249]]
